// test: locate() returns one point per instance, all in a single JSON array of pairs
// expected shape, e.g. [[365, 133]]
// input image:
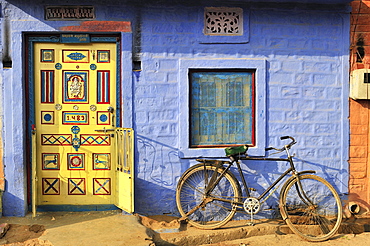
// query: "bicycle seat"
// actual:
[[236, 150]]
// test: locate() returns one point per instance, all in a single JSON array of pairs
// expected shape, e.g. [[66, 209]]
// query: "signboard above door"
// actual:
[[75, 38]]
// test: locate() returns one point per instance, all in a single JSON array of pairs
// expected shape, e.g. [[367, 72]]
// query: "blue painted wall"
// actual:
[[300, 53]]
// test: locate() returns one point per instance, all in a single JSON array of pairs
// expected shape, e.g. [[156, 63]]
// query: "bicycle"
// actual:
[[208, 195]]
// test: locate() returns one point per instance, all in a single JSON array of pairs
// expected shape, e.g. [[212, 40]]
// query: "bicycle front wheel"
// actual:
[[212, 210], [314, 211]]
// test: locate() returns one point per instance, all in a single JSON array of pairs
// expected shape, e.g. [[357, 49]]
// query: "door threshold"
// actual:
[[76, 208]]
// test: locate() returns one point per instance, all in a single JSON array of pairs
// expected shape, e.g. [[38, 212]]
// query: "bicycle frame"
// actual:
[[208, 194], [292, 168], [214, 179]]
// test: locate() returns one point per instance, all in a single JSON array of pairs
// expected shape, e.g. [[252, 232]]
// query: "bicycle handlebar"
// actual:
[[284, 137], [293, 142], [285, 146]]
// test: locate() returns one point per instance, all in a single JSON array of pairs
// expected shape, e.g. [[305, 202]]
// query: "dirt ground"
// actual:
[[77, 229], [158, 222], [362, 239], [25, 235], [31, 232]]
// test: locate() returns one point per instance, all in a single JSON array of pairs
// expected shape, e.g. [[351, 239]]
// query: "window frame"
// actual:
[[185, 65], [252, 107]]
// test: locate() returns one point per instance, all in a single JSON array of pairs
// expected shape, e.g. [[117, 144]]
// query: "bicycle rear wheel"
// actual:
[[212, 213], [316, 221]]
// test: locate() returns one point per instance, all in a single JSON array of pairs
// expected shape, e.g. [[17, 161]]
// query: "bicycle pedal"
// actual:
[[252, 189], [250, 224]]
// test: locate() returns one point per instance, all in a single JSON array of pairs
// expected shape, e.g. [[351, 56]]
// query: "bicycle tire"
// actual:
[[190, 193], [313, 223]]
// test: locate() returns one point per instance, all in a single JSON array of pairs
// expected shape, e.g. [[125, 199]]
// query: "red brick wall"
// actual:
[[359, 122], [359, 110]]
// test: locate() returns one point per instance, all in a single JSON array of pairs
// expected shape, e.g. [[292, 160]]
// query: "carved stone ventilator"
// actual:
[[66, 12], [223, 21]]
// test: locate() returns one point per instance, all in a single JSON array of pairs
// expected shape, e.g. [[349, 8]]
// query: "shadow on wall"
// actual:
[[12, 205], [156, 161], [153, 199], [334, 177], [331, 174], [158, 169], [259, 176]]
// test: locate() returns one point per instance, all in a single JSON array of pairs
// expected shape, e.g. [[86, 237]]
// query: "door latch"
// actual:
[[105, 130]]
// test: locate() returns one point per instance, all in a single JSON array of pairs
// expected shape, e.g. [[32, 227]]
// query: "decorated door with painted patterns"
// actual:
[[75, 115]]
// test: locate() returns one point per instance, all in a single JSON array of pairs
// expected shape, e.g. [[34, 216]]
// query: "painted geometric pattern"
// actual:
[[50, 161], [103, 87], [102, 186], [56, 139], [101, 161], [76, 161], [76, 186], [95, 139], [76, 56], [47, 117], [103, 118], [50, 186], [72, 56], [75, 87], [47, 55], [47, 86], [103, 56]]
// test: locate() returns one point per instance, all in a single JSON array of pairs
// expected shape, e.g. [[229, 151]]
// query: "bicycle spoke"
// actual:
[[312, 210], [323, 225], [209, 195], [207, 211]]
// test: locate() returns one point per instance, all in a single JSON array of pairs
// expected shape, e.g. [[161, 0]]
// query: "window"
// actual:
[[254, 67], [221, 107], [223, 21]]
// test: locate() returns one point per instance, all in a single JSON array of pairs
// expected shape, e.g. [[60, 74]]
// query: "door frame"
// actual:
[[55, 37]]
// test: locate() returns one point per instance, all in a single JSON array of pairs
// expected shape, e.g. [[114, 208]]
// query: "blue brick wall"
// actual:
[[301, 57], [306, 52]]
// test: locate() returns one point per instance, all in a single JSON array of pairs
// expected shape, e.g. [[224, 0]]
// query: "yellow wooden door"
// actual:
[[75, 114]]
